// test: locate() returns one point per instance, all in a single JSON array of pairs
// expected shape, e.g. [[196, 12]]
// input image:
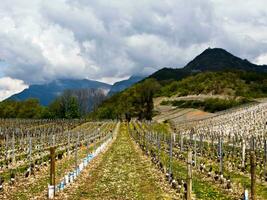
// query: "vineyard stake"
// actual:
[[7, 147], [170, 167], [265, 157], [243, 153], [195, 150], [76, 151], [221, 154], [253, 174], [158, 146], [30, 152], [53, 169], [68, 144], [189, 175], [13, 148], [181, 142]]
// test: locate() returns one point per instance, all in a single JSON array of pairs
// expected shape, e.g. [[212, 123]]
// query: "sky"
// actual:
[[110, 40]]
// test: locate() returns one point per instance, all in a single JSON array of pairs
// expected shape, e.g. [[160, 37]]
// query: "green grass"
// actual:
[[201, 188], [122, 174]]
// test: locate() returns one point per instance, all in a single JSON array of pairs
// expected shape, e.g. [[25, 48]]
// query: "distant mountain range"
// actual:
[[46, 93], [122, 85], [212, 59]]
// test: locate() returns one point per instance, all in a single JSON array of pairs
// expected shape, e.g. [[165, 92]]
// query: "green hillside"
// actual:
[[232, 83], [213, 72], [136, 101]]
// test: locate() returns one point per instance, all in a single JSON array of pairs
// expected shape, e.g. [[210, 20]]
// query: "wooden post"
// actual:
[[54, 140], [170, 166], [13, 148], [212, 143], [42, 146], [158, 146], [7, 144], [76, 151], [189, 175], [195, 150], [233, 147], [201, 144], [181, 142], [265, 157], [253, 174], [88, 143], [252, 142], [243, 153], [53, 168], [221, 154], [68, 144], [30, 153]]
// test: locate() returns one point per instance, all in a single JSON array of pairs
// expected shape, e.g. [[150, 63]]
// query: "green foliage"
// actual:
[[55, 109], [72, 108], [209, 104], [232, 83], [65, 106], [136, 101], [30, 108]]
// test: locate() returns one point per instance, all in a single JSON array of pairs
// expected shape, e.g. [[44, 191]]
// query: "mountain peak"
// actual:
[[215, 50], [217, 59], [211, 59]]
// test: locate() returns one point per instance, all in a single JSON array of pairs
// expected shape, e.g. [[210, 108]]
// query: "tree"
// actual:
[[72, 108], [65, 106], [56, 109], [144, 98]]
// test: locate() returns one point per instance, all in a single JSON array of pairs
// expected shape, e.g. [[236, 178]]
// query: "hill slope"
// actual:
[[213, 72], [230, 83]]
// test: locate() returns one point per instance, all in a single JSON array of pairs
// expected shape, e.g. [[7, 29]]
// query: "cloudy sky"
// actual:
[[108, 40]]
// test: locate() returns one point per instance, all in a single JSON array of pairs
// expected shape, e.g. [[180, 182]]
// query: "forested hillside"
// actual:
[[234, 84], [213, 72], [231, 83]]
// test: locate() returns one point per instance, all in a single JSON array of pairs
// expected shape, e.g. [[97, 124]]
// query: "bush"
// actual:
[[209, 105]]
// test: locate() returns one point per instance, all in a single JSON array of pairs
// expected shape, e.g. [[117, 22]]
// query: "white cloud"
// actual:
[[9, 86], [110, 39], [262, 59]]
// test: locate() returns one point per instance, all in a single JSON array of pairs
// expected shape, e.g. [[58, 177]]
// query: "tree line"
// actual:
[[70, 104]]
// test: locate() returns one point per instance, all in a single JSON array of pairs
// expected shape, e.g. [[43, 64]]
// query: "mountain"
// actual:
[[214, 71], [218, 59], [46, 93], [122, 85], [212, 59]]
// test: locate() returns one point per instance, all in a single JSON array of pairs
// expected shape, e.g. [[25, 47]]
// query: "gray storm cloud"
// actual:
[[108, 39]]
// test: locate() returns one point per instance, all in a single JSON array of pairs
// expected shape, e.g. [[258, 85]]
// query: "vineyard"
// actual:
[[219, 157], [26, 153], [222, 157]]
